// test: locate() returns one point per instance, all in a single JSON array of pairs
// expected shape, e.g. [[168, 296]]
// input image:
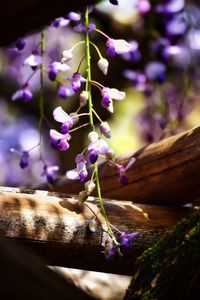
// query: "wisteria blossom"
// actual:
[[24, 93], [117, 47], [59, 141], [122, 171], [80, 172], [110, 94]]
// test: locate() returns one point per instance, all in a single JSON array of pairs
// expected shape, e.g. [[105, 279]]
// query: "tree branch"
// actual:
[[56, 227], [165, 173]]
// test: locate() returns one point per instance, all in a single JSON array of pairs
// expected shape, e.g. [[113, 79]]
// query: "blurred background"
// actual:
[[160, 76]]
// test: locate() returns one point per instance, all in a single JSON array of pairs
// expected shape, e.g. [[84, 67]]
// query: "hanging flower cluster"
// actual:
[[97, 148]]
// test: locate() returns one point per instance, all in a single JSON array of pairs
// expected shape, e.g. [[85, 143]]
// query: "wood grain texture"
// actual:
[[55, 227], [19, 17], [165, 173]]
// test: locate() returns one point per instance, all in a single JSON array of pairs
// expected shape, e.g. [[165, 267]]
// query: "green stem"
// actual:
[[88, 89], [88, 66], [41, 102]]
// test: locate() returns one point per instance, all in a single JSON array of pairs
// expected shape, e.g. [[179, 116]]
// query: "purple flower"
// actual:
[[134, 54], [176, 25], [73, 16], [143, 6], [24, 157], [77, 79], [93, 156], [55, 67], [108, 95], [59, 141], [156, 70], [24, 160], [126, 239], [170, 6], [60, 22], [100, 146], [110, 251], [122, 171], [20, 44], [81, 28], [117, 47], [62, 117], [24, 93], [50, 172], [65, 91], [81, 171], [34, 60], [138, 79]]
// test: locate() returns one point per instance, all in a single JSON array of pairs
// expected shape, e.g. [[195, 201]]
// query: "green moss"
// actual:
[[170, 269]]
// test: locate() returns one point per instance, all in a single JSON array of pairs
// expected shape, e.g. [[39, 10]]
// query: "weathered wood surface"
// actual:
[[165, 173], [56, 228], [19, 17], [24, 276]]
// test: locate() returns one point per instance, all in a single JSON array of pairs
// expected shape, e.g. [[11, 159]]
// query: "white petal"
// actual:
[[93, 137], [18, 94], [121, 46], [33, 60], [61, 67], [116, 94], [63, 22], [54, 134], [110, 107], [60, 115], [72, 174], [67, 55]]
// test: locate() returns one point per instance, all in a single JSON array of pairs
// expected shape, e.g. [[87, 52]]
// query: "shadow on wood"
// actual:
[[58, 230], [24, 276]]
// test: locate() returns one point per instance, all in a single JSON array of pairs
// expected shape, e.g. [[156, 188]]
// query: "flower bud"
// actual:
[[66, 56], [83, 196], [83, 98], [103, 65], [92, 225], [110, 155], [93, 137], [90, 186], [105, 129]]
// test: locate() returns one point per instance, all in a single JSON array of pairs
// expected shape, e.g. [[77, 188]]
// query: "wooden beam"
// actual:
[[56, 227], [24, 276], [19, 17], [165, 173]]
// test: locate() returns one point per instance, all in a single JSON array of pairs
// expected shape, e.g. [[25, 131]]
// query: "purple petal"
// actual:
[[130, 163]]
